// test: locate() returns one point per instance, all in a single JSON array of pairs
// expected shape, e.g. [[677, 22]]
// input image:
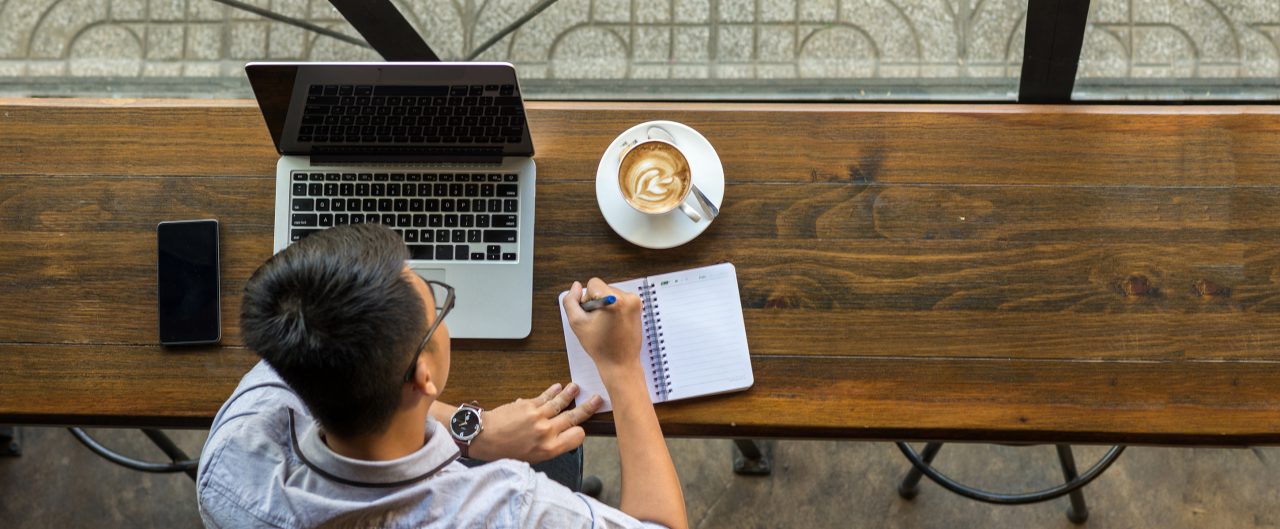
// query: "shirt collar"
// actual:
[[438, 452]]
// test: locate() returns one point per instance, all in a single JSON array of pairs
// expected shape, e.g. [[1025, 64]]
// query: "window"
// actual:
[[915, 50]]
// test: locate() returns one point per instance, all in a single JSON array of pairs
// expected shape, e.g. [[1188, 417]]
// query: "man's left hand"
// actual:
[[535, 430]]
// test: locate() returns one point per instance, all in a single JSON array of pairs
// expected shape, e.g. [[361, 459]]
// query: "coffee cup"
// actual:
[[654, 176]]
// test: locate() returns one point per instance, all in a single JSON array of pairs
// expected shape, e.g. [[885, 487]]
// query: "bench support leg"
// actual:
[[910, 483], [752, 458], [10, 441]]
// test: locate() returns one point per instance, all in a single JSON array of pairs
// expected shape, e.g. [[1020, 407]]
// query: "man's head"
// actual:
[[340, 316]]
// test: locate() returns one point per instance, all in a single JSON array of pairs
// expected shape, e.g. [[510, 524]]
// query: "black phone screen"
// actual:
[[188, 289]]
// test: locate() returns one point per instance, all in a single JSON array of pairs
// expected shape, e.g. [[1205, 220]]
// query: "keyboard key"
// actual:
[[353, 204], [451, 221], [404, 220], [473, 190], [384, 205], [366, 177], [379, 190], [299, 177], [299, 234], [493, 256], [509, 205], [473, 236], [326, 220], [372, 218], [424, 190], [487, 190], [435, 221], [304, 204], [401, 205], [363, 190], [455, 190], [460, 236], [304, 219], [357, 219], [388, 219], [499, 236], [442, 235], [422, 251], [461, 252], [444, 252], [495, 205], [468, 221], [331, 190], [477, 256], [433, 205], [510, 177], [317, 177], [393, 190], [340, 219], [427, 235], [411, 236], [416, 205], [477, 205], [332, 177], [348, 177], [315, 190], [493, 248], [347, 190], [381, 177], [482, 221], [509, 256], [446, 205], [339, 204], [508, 190], [504, 221]]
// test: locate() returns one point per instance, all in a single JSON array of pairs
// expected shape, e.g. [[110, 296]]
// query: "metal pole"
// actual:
[[909, 486], [1079, 512]]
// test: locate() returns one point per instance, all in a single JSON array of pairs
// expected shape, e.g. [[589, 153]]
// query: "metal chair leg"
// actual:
[[909, 486], [752, 458], [1079, 512]]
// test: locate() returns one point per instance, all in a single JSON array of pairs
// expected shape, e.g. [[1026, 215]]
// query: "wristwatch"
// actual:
[[465, 426]]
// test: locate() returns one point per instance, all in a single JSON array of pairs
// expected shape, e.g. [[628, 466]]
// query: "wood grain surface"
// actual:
[[1099, 274]]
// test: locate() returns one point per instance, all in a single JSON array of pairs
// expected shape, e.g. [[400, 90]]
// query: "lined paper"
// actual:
[[698, 320]]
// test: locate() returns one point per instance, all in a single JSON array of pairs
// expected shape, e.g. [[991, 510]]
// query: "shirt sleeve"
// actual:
[[554, 505]]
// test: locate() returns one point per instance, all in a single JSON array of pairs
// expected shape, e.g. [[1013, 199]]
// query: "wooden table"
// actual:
[[1100, 274]]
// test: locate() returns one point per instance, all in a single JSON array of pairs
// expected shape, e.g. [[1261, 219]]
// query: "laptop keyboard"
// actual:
[[440, 216], [459, 114]]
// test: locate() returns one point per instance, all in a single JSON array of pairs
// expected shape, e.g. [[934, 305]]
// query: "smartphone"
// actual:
[[188, 289]]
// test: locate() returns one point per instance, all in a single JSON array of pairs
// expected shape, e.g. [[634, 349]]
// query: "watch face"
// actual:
[[465, 424]]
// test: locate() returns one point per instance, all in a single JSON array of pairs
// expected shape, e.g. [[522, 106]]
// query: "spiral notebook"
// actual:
[[694, 344]]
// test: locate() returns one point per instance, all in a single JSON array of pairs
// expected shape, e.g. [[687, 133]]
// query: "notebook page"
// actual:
[[699, 314], [582, 369]]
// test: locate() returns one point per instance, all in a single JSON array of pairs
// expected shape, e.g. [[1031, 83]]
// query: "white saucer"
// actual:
[[672, 228]]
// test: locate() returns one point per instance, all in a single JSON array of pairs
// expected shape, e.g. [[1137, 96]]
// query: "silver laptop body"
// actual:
[[439, 152]]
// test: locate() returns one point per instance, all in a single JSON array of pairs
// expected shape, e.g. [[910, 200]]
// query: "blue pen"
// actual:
[[599, 303]]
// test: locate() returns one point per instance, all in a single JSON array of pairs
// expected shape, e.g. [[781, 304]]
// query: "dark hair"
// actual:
[[334, 315]]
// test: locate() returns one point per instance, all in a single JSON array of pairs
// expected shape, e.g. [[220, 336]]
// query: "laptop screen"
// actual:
[[445, 111]]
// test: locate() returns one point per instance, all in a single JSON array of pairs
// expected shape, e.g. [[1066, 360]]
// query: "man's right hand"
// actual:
[[611, 335]]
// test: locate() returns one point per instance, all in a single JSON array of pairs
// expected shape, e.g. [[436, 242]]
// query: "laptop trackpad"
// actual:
[[431, 274]]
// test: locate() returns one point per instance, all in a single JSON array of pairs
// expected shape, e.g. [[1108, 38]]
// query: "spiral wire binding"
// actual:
[[655, 341]]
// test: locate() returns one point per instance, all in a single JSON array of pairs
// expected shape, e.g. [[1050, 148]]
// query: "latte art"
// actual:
[[654, 177]]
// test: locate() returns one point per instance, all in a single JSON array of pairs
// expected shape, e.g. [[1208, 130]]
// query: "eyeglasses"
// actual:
[[437, 289]]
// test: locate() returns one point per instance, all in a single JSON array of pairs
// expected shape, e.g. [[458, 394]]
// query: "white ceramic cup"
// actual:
[[657, 134]]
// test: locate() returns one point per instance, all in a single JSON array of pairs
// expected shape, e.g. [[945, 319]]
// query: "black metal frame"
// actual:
[[921, 465], [1051, 52], [179, 461]]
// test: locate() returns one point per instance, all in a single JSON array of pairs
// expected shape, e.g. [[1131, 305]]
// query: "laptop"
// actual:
[[439, 152]]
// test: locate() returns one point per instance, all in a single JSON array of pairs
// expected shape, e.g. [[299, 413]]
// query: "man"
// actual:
[[340, 424]]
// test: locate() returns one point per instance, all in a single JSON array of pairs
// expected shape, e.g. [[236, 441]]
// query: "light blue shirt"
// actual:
[[254, 472]]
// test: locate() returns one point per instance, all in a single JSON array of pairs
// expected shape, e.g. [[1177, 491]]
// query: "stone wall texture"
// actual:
[[672, 48]]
